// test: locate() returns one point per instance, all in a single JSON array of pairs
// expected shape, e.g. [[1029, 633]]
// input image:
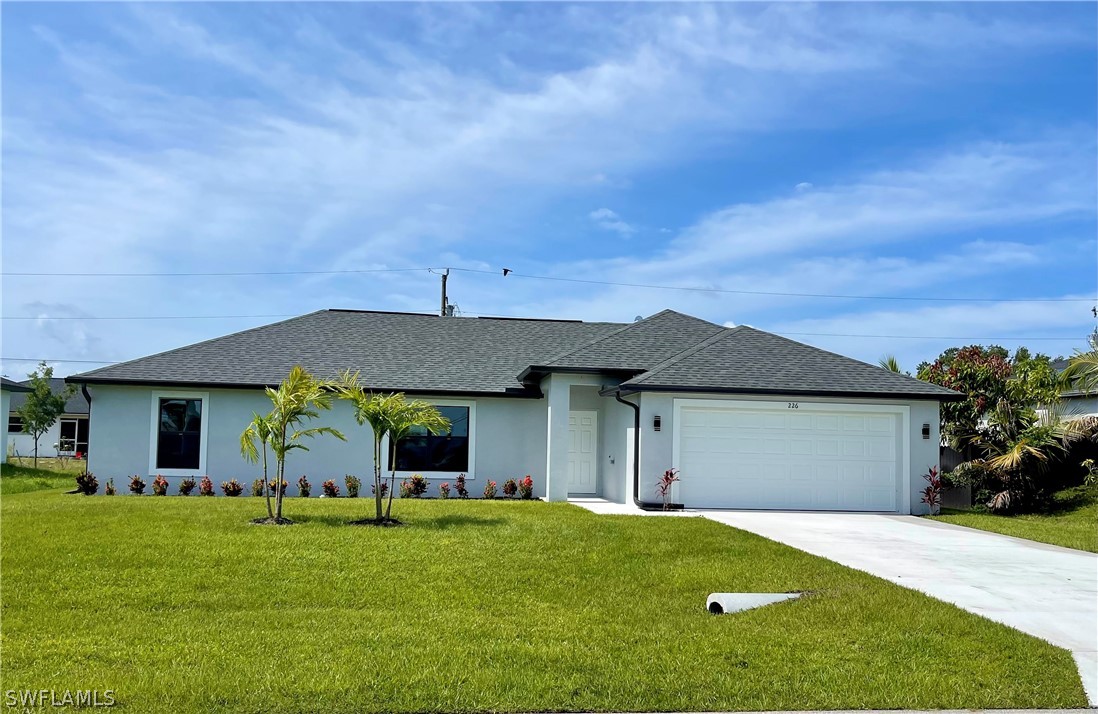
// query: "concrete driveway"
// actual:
[[1043, 590]]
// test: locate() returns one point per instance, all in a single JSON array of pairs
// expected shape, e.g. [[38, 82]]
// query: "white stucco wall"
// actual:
[[657, 447], [509, 440], [22, 444], [5, 406]]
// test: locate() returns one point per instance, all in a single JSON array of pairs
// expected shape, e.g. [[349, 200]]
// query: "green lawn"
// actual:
[[21, 479], [1072, 522], [178, 604]]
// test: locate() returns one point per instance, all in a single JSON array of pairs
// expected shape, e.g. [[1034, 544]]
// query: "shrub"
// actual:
[[418, 485], [231, 487], [304, 488], [109, 489], [384, 489], [273, 485], [526, 488], [330, 489], [206, 487], [353, 485], [160, 486], [186, 486], [137, 485], [510, 488], [932, 494], [405, 489], [257, 487], [444, 490], [490, 490], [1091, 478], [86, 484], [459, 486]]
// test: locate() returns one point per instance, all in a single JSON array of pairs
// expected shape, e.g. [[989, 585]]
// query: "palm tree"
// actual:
[[300, 398], [393, 416], [1082, 372], [259, 430], [890, 363]]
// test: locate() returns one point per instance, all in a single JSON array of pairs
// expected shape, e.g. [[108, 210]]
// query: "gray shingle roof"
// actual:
[[431, 354], [76, 404], [11, 386], [745, 360], [640, 345], [394, 351]]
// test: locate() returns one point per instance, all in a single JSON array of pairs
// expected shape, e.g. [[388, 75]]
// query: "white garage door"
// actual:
[[787, 455]]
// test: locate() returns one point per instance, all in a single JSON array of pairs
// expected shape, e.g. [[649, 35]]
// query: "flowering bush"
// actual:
[[273, 485], [932, 494], [526, 488], [186, 486], [490, 489], [444, 490], [418, 485], [304, 488], [510, 488], [160, 486], [257, 487], [86, 484], [405, 489], [137, 485], [384, 489], [353, 485], [206, 487], [109, 489], [330, 489], [231, 487], [663, 486], [459, 486]]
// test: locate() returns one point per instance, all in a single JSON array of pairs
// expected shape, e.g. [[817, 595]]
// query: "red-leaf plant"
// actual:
[[663, 486], [932, 494]]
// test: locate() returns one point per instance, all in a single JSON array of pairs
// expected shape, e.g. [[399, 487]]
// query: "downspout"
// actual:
[[643, 505], [88, 396]]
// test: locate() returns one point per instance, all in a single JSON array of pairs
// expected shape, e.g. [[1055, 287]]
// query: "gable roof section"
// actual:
[[394, 351], [76, 404], [744, 360], [639, 345], [8, 385]]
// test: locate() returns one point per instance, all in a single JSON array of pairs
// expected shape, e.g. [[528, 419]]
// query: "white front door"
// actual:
[[583, 439]]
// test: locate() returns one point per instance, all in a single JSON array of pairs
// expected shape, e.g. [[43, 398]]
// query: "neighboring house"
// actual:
[[1074, 402], [751, 420], [8, 388], [69, 432]]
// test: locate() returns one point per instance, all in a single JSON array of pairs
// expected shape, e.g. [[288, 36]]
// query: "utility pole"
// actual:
[[444, 311]]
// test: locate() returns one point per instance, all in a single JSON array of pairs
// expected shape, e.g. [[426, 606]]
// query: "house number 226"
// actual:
[[794, 405]]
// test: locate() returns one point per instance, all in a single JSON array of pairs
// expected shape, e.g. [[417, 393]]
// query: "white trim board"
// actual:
[[154, 431]]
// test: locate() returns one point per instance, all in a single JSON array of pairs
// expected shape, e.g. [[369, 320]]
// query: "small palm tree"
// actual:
[[393, 416], [300, 398], [258, 431], [890, 363]]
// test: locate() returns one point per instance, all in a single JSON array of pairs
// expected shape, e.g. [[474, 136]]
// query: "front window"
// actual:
[[448, 452], [15, 424], [179, 443]]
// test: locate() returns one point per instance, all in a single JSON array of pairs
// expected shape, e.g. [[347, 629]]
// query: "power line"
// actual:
[[648, 286], [931, 337], [146, 317], [214, 274]]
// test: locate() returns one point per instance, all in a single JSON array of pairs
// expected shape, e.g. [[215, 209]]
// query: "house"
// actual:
[[594, 409], [8, 388], [69, 432]]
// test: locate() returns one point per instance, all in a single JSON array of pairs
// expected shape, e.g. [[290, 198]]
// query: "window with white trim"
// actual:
[[15, 424], [450, 452], [177, 439]]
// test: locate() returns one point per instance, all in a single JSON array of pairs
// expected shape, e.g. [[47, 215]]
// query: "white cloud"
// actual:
[[610, 221]]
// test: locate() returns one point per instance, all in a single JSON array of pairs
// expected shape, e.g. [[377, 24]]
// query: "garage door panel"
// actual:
[[767, 459]]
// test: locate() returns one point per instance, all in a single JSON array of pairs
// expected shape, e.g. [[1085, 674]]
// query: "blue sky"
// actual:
[[912, 150]]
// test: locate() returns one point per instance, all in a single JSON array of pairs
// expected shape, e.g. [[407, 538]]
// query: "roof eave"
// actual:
[[517, 392], [633, 388]]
